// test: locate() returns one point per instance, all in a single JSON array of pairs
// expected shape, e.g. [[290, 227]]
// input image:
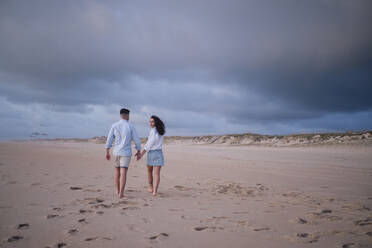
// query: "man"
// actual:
[[123, 133]]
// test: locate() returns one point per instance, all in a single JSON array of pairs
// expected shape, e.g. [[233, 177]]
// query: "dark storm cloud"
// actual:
[[263, 61]]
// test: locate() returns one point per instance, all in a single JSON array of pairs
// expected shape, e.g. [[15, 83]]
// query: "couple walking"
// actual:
[[121, 134]]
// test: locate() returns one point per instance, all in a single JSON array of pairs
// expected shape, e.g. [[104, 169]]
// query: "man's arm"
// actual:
[[110, 139], [136, 139]]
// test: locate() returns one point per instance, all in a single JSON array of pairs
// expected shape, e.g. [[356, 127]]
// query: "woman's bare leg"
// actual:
[[123, 179], [157, 179], [117, 177], [149, 177]]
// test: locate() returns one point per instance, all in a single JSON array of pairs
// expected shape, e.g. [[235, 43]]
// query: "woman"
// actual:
[[153, 147]]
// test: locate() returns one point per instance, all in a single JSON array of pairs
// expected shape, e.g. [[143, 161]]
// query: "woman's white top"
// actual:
[[154, 141]]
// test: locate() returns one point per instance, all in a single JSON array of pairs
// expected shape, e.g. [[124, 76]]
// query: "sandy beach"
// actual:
[[61, 194]]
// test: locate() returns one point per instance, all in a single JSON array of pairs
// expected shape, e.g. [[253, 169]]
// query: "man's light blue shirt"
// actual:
[[121, 134]]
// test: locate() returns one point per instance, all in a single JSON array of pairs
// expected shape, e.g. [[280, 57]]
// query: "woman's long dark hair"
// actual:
[[159, 125]]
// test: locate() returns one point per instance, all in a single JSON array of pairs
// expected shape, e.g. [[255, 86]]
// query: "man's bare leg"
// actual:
[[157, 179], [149, 176], [117, 177], [123, 179]]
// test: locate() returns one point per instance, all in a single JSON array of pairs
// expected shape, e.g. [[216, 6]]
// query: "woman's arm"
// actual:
[[149, 143], [150, 140]]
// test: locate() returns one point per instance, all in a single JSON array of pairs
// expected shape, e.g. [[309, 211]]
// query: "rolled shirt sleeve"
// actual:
[[150, 140], [110, 138]]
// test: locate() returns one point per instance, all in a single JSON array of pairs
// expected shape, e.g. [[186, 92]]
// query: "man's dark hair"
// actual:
[[124, 111]]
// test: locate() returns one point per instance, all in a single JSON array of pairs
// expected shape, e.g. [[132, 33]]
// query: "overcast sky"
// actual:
[[204, 66]]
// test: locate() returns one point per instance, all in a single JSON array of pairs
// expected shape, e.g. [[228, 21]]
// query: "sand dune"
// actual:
[[61, 194], [347, 138]]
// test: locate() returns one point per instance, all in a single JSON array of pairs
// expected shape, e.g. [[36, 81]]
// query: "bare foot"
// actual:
[[154, 193], [121, 194], [150, 189]]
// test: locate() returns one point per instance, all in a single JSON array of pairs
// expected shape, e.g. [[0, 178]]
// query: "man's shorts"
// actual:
[[122, 161]]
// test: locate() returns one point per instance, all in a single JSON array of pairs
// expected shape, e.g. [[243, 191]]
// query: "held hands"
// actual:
[[138, 155]]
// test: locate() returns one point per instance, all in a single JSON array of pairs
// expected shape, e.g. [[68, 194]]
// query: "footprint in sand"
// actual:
[[14, 238], [175, 209], [95, 238], [238, 190], [120, 203], [75, 188], [82, 221], [91, 238], [146, 221], [84, 211], [100, 212], [242, 212], [101, 205], [258, 229], [302, 235], [365, 222], [132, 190], [73, 231], [182, 188], [369, 234], [52, 216], [56, 208], [299, 221], [160, 235], [92, 190], [130, 208], [325, 214], [94, 200], [23, 226], [60, 245], [348, 245], [326, 211], [200, 228], [310, 238]]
